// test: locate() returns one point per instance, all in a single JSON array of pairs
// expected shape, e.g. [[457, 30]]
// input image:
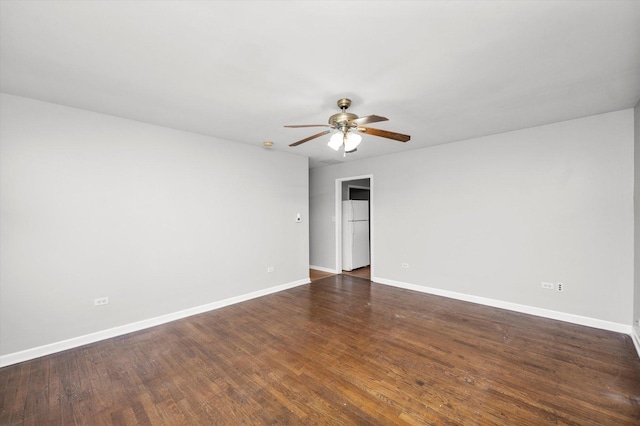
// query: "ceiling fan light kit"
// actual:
[[349, 140], [336, 141], [345, 124]]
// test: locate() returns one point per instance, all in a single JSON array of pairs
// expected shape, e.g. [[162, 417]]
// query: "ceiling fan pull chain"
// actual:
[[344, 141]]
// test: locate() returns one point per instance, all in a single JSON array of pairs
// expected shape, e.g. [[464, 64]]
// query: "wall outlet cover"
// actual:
[[548, 286], [101, 301]]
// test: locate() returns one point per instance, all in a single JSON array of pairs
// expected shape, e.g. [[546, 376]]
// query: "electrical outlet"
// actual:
[[548, 286], [101, 301], [560, 286], [405, 265], [271, 269]]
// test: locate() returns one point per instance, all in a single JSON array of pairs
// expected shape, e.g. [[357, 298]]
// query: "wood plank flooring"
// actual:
[[365, 272], [343, 351], [360, 272], [315, 275]]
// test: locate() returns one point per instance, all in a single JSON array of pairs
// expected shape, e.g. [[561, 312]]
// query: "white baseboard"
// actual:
[[323, 269], [49, 349], [545, 313], [74, 342], [635, 336]]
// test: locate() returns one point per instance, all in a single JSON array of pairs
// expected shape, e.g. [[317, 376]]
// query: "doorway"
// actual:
[[358, 188]]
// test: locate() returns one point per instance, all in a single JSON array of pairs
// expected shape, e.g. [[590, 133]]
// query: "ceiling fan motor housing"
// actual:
[[342, 119]]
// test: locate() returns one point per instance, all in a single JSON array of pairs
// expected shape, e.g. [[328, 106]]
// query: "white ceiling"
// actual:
[[441, 71]]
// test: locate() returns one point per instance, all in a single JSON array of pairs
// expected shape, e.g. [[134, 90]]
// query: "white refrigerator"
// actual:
[[355, 234]]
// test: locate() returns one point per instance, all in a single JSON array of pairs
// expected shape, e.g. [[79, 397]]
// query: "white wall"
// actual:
[[158, 220], [492, 217], [636, 275]]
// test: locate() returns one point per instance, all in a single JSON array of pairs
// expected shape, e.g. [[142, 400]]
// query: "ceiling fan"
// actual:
[[344, 125]]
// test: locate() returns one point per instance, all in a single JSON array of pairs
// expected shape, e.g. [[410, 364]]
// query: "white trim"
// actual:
[[545, 313], [372, 248], [74, 342], [338, 222], [338, 212], [635, 337], [323, 269]]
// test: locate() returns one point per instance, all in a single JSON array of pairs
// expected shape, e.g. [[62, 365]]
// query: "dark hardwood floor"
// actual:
[[341, 350], [365, 272], [315, 275], [360, 272]]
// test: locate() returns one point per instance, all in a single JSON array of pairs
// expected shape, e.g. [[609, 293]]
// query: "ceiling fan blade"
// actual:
[[369, 119], [307, 125], [317, 135], [384, 134]]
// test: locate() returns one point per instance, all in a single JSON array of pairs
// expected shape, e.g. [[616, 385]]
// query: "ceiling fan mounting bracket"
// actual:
[[344, 103]]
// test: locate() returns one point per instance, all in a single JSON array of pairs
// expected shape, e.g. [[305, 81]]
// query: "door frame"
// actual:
[[338, 221]]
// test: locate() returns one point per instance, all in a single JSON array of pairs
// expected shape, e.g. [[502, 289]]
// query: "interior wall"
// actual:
[[98, 206], [495, 216], [636, 275]]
